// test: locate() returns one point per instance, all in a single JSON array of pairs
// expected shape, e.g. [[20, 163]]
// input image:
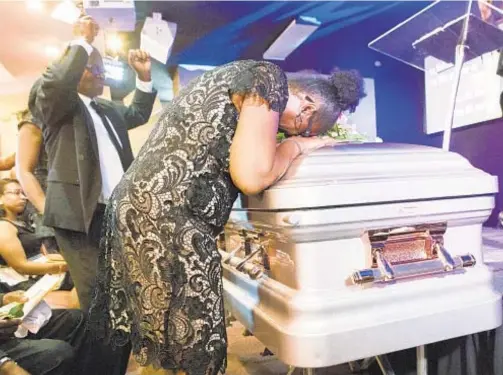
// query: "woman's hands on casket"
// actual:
[[256, 161], [309, 144]]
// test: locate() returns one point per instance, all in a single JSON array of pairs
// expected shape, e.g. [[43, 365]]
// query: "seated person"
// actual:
[[31, 171], [61, 347], [18, 242]]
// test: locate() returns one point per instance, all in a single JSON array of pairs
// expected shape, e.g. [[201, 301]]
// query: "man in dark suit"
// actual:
[[88, 147]]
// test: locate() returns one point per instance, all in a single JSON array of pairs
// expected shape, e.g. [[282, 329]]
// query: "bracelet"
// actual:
[[4, 360]]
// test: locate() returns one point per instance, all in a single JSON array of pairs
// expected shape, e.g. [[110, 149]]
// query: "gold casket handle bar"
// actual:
[[385, 272]]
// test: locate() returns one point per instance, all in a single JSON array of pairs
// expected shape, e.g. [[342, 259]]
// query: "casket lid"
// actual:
[[373, 173]]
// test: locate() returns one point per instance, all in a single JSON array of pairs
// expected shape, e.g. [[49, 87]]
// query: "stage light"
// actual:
[[66, 12], [52, 52], [291, 38], [113, 42], [193, 68], [35, 5]]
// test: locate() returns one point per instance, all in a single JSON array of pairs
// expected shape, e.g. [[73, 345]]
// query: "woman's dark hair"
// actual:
[[341, 91]]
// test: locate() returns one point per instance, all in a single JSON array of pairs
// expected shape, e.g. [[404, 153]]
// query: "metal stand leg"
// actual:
[[291, 370], [384, 365], [422, 360], [366, 363], [353, 367], [458, 66], [382, 361]]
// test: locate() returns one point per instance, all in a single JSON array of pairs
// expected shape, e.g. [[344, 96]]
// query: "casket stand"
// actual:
[[362, 250]]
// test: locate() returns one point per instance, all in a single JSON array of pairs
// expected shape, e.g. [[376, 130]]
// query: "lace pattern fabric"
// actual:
[[160, 276]]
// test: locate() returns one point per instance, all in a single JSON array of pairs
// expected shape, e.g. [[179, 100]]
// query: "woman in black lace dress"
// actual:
[[160, 273]]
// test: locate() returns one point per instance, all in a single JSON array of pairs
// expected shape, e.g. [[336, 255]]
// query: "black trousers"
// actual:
[[81, 251], [63, 347]]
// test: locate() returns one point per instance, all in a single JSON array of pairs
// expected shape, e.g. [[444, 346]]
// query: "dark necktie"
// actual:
[[110, 132]]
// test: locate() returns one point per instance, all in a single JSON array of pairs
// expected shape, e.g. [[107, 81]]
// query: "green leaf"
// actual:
[[16, 311]]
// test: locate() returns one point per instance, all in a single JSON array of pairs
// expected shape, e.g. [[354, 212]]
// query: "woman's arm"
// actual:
[[256, 161], [11, 250], [29, 145], [7, 162]]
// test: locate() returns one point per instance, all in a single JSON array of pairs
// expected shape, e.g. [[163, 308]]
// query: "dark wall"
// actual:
[[481, 144]]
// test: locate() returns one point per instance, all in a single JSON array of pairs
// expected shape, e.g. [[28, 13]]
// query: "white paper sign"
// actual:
[[157, 37]]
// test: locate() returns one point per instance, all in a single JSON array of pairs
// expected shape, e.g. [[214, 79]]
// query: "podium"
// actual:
[[453, 32]]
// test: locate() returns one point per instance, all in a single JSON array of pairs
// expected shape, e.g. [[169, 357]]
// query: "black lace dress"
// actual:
[[159, 282]]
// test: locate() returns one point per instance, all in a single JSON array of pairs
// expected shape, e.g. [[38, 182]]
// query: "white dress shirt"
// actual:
[[110, 163]]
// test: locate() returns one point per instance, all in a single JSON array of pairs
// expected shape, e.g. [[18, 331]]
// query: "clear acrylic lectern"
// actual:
[[453, 32]]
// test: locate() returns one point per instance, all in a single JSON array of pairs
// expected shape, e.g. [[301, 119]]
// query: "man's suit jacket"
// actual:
[[74, 177]]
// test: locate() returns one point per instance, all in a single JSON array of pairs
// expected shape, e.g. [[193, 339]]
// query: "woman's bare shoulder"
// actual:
[[7, 229]]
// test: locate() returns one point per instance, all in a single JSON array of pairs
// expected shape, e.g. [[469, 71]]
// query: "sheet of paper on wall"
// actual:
[[157, 37]]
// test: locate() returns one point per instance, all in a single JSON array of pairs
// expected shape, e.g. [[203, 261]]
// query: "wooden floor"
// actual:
[[244, 352]]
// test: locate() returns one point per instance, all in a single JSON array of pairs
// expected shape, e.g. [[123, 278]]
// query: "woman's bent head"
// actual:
[[316, 101]]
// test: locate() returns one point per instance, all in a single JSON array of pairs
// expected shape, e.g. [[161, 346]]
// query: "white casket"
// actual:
[[362, 250]]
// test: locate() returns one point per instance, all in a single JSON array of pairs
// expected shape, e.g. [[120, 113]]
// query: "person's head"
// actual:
[[316, 101], [12, 198], [93, 79]]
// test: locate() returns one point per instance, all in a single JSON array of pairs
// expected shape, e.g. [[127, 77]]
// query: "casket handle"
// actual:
[[292, 220], [386, 272]]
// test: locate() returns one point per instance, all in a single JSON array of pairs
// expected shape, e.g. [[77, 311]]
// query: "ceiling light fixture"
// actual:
[[291, 38], [67, 12]]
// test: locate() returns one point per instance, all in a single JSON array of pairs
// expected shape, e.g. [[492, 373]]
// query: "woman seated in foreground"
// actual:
[[19, 243]]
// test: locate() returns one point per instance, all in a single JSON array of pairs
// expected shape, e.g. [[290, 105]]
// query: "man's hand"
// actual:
[[11, 297], [12, 368], [87, 28], [7, 328], [140, 62]]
